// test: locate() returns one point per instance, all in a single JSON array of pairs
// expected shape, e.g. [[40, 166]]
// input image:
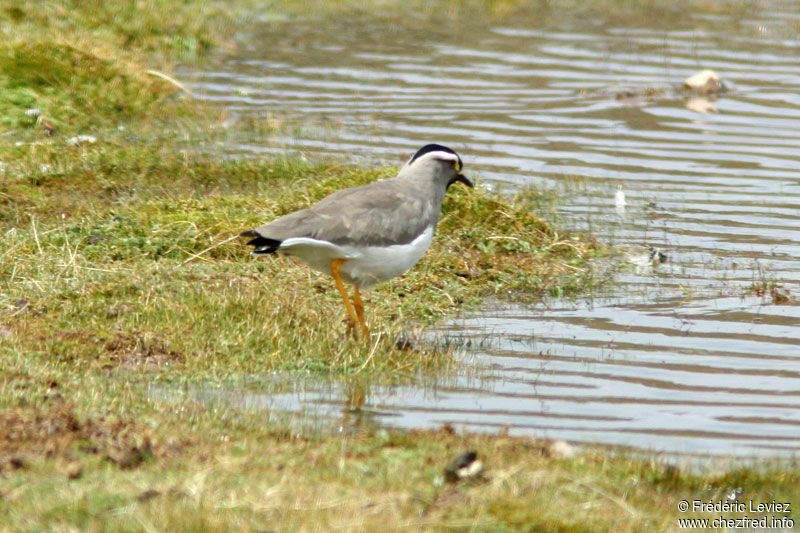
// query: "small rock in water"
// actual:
[[705, 82], [464, 466]]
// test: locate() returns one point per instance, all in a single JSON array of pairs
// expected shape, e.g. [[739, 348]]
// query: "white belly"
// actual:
[[365, 266]]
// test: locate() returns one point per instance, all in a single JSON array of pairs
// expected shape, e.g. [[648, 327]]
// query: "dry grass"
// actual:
[[234, 473]]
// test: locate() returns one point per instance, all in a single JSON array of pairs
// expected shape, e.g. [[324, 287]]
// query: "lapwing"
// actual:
[[369, 234]]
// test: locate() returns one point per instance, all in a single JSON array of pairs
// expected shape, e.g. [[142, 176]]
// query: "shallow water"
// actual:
[[680, 358]]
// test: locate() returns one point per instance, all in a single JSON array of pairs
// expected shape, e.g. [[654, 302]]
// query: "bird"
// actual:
[[368, 234]]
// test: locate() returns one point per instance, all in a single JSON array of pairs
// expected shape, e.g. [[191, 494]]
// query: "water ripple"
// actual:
[[688, 357]]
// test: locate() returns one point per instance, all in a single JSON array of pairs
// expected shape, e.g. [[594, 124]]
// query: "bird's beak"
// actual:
[[463, 179]]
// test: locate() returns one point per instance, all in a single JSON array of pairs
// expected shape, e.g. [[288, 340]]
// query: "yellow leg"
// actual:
[[359, 305], [336, 265]]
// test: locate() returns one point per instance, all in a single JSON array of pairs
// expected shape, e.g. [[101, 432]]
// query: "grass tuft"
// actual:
[[129, 248]]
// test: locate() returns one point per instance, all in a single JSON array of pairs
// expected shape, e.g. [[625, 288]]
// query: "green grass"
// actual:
[[124, 243], [84, 64], [140, 467], [120, 271]]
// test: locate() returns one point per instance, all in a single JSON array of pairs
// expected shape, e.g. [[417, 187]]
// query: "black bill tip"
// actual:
[[463, 179]]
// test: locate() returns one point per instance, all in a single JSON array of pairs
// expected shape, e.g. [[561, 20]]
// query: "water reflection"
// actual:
[[686, 358]]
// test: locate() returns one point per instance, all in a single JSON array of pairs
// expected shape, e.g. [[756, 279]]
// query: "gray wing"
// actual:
[[376, 214]]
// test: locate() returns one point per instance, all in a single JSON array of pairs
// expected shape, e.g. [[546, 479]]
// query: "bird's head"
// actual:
[[437, 162]]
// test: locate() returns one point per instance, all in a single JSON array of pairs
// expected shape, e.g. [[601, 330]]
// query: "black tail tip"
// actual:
[[263, 245]]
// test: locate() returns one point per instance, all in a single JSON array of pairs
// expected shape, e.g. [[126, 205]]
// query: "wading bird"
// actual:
[[369, 234]]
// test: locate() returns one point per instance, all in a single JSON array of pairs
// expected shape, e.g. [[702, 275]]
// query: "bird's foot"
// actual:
[[352, 328]]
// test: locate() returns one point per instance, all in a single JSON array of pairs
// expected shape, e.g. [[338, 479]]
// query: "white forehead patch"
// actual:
[[436, 154]]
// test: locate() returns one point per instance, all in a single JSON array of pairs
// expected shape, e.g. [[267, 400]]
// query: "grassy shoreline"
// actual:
[[117, 271]]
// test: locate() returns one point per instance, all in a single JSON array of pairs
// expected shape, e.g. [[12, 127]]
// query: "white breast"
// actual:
[[365, 265]]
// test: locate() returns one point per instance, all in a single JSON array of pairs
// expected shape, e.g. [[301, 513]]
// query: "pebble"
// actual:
[[705, 82], [463, 466]]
